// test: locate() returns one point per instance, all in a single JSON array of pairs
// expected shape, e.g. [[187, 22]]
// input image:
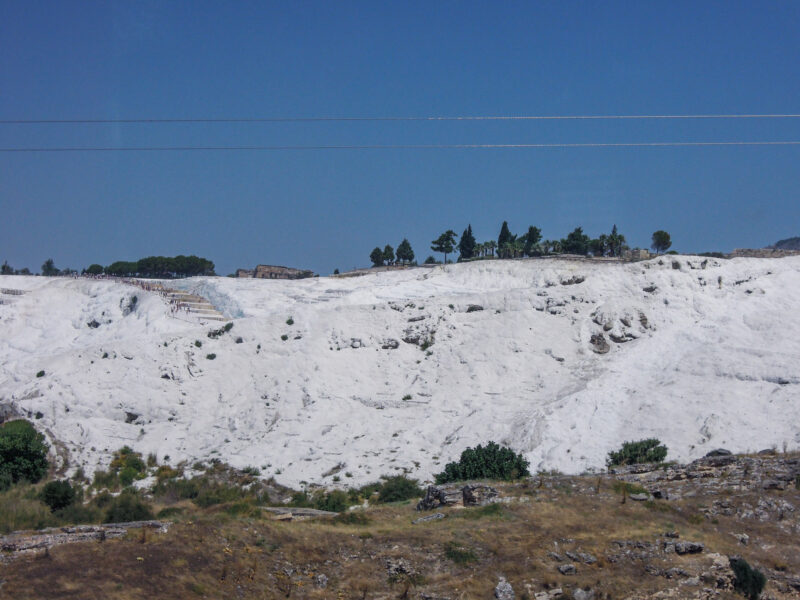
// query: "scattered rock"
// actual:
[[719, 452], [433, 517], [356, 343], [639, 497], [321, 581], [503, 590], [580, 594], [468, 495], [743, 538], [650, 289], [568, 569], [130, 417], [93, 324], [575, 279], [478, 495], [390, 344], [599, 343], [689, 547], [415, 319]]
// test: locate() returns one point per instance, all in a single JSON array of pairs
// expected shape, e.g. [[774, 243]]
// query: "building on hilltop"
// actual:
[[275, 272]]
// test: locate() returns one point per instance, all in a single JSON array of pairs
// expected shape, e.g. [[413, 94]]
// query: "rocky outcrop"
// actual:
[[467, 495], [20, 543], [599, 343]]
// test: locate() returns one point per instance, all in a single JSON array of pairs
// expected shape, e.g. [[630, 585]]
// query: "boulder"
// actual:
[[689, 547], [599, 343], [503, 590], [444, 496], [478, 495], [580, 594], [639, 497], [433, 517], [390, 344], [568, 569], [719, 452]]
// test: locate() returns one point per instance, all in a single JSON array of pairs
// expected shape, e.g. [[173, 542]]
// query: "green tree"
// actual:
[[661, 241], [445, 243], [492, 461], [504, 238], [49, 268], [616, 242], [376, 256], [532, 239], [650, 450], [6, 269], [23, 453], [58, 494], [94, 269], [599, 246], [576, 242], [388, 254], [466, 247], [404, 252], [491, 246], [430, 261]]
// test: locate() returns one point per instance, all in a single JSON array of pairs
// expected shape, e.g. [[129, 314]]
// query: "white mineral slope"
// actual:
[[707, 355]]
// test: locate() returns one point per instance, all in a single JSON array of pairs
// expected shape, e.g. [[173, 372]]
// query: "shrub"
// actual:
[[127, 507], [58, 495], [749, 581], [397, 488], [21, 509], [492, 462], [211, 356], [198, 344], [23, 454], [644, 451], [335, 501], [284, 337], [290, 321], [356, 517], [459, 555], [40, 374]]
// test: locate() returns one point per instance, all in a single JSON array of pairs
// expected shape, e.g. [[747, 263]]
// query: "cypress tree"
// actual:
[[466, 246], [505, 236]]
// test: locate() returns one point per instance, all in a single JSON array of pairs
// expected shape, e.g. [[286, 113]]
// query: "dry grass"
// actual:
[[213, 554]]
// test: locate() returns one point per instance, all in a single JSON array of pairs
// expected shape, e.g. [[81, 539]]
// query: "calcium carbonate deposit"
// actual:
[[399, 371]]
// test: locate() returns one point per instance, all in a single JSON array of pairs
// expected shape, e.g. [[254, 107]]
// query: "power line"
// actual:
[[390, 147], [389, 118]]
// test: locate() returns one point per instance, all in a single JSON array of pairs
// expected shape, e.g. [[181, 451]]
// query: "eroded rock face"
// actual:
[[689, 547]]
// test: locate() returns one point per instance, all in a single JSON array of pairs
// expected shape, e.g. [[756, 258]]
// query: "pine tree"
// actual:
[[388, 254], [661, 241], [376, 256], [504, 238], [445, 243], [404, 252], [466, 246]]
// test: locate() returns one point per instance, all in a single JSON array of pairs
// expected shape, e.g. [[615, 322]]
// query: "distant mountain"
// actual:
[[792, 243]]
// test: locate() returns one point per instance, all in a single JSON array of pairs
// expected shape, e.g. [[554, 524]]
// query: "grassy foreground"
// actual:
[[236, 550]]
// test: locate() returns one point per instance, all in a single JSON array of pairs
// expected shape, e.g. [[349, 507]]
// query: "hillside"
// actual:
[[402, 370], [792, 243]]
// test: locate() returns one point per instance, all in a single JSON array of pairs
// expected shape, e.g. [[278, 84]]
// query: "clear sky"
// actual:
[[323, 209]]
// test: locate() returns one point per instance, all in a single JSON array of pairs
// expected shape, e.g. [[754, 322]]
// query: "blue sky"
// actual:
[[328, 209]]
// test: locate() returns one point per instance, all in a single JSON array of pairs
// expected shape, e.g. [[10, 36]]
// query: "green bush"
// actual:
[[356, 517], [23, 453], [644, 451], [491, 462], [749, 581], [211, 356], [397, 488], [40, 374], [459, 555], [58, 494], [127, 507]]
